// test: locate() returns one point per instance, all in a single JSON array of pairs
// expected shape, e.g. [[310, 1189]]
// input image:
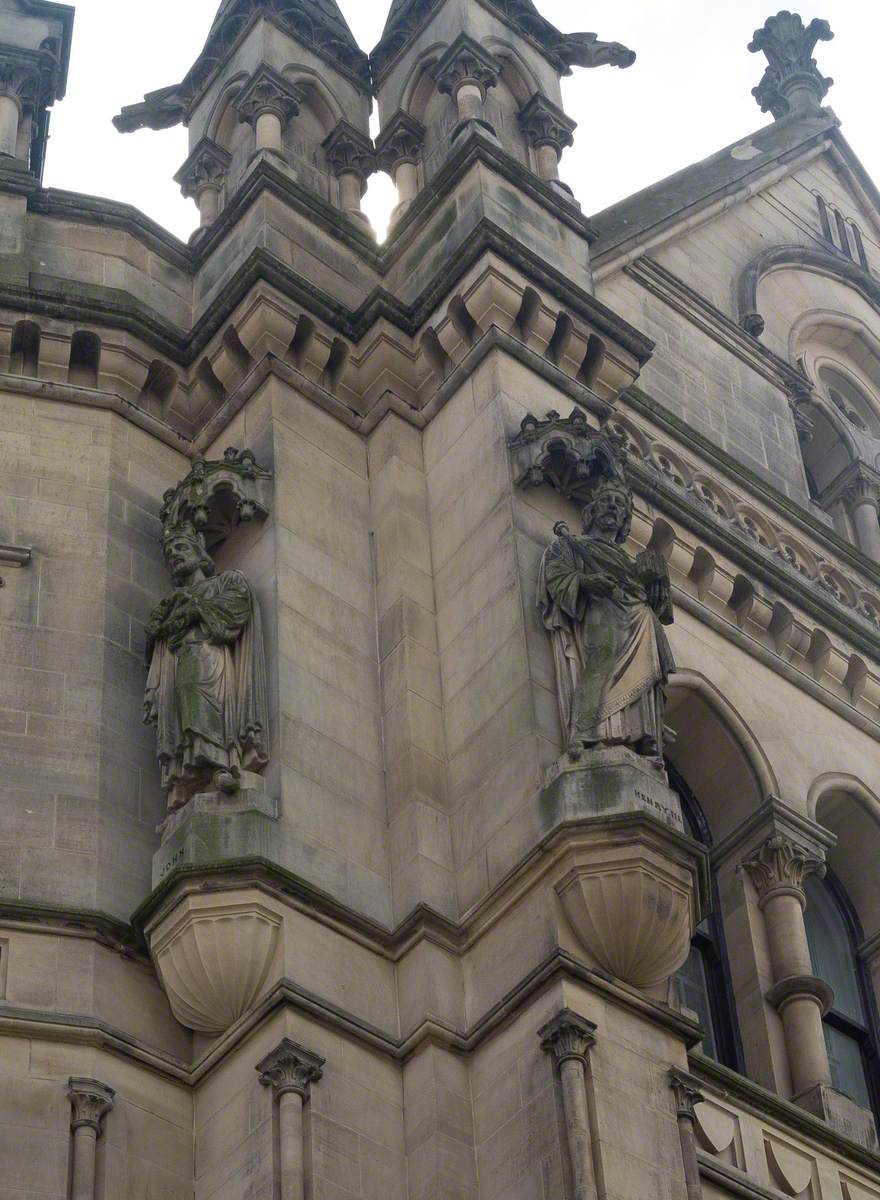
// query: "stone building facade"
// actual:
[[400, 938]]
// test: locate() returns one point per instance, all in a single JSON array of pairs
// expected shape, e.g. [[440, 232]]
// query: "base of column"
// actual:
[[841, 1113]]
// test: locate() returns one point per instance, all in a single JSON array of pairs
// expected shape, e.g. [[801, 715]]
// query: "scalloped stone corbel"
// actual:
[[214, 956]]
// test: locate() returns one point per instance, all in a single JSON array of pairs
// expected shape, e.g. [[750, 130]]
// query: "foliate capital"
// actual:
[[857, 484], [568, 1037], [290, 1068], [467, 62], [349, 152], [780, 866], [400, 141], [207, 166], [687, 1093], [28, 76], [267, 91], [544, 124], [792, 82], [90, 1101]]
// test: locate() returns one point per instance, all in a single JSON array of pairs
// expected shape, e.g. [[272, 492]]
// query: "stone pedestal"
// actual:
[[635, 886], [214, 827], [608, 782]]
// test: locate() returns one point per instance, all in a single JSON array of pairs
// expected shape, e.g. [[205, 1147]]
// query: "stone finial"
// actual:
[[779, 866], [687, 1093], [544, 124], [206, 167], [567, 1037], [267, 91], [466, 62], [792, 83], [401, 141], [349, 152], [90, 1101], [290, 1068]]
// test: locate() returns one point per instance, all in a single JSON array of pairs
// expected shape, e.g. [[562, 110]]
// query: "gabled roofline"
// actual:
[[745, 164]]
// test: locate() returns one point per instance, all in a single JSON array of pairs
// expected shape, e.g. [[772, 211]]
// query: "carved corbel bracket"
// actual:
[[567, 454], [218, 495]]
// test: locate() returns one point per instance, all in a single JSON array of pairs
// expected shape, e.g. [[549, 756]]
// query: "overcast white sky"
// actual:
[[686, 96]]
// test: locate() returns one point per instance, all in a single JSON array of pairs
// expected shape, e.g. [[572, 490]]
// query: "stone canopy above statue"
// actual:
[[217, 496]]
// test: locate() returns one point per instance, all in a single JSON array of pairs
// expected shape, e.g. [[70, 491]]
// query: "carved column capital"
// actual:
[[466, 61], [206, 167], [401, 141], [568, 1037], [857, 484], [792, 82], [779, 866], [545, 124], [349, 152], [90, 1101], [290, 1068], [686, 1091], [28, 77], [267, 91]]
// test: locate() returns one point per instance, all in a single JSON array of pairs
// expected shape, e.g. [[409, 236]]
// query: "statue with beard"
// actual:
[[206, 689], [605, 611]]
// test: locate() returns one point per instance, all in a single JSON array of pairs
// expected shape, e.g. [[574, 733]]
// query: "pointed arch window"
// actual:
[[850, 1026], [704, 983]]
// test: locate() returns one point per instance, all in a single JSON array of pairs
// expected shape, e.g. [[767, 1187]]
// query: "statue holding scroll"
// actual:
[[206, 689], [605, 613]]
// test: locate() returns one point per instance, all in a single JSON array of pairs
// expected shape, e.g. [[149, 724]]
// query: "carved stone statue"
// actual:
[[206, 689], [604, 611]]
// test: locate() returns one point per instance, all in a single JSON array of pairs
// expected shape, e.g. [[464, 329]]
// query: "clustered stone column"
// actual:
[[267, 102], [548, 131], [568, 1038], [687, 1095], [778, 868], [290, 1071], [90, 1102], [466, 72], [398, 149], [352, 159], [203, 176]]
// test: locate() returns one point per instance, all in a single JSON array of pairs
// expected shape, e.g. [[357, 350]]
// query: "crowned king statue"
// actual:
[[206, 689], [605, 612]]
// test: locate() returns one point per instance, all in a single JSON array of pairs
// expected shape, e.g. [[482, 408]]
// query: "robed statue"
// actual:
[[605, 612], [206, 688]]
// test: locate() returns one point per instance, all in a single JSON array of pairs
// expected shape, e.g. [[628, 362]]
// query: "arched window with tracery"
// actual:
[[833, 935], [704, 984]]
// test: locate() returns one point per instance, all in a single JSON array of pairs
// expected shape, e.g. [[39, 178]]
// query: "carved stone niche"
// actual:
[[567, 454]]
